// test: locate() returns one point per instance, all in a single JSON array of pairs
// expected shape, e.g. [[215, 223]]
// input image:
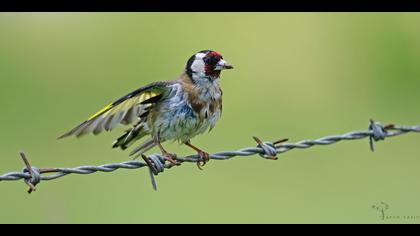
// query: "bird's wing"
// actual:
[[125, 110]]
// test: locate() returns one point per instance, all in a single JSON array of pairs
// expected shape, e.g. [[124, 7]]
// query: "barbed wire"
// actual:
[[156, 163]]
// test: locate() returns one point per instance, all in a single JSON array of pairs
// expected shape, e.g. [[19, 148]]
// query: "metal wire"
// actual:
[[156, 163]]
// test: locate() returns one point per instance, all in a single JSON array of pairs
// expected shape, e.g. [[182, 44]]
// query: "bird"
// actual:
[[161, 111]]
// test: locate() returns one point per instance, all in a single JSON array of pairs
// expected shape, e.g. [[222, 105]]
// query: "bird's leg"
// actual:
[[168, 156], [204, 156]]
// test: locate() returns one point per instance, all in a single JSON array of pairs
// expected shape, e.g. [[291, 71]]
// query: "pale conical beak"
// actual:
[[223, 65]]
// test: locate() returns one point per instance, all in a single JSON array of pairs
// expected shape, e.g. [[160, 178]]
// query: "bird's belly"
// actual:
[[176, 120]]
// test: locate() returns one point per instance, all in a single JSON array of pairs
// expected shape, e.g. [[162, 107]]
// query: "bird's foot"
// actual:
[[171, 158], [204, 158]]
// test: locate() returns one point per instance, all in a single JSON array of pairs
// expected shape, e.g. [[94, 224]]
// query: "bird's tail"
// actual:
[[144, 147], [130, 136]]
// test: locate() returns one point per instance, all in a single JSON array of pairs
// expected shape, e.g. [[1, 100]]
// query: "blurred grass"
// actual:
[[297, 75]]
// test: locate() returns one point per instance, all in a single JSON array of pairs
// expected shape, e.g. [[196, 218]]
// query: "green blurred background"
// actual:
[[297, 75]]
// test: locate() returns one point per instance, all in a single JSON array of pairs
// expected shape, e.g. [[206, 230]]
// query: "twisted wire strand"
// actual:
[[156, 163]]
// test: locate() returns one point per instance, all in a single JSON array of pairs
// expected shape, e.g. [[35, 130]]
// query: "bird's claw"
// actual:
[[204, 158], [171, 158]]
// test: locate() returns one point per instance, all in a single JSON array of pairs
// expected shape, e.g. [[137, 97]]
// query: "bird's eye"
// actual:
[[206, 60], [211, 60]]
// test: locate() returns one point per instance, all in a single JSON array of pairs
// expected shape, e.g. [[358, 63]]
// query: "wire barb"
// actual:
[[156, 164], [379, 132], [269, 149], [32, 176]]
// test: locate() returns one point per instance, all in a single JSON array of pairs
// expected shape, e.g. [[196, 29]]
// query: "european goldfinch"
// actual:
[[167, 110]]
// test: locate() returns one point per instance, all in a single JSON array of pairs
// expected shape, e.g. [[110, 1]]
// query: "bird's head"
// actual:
[[206, 65]]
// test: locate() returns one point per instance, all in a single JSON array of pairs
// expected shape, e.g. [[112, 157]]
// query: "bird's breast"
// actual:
[[205, 102]]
